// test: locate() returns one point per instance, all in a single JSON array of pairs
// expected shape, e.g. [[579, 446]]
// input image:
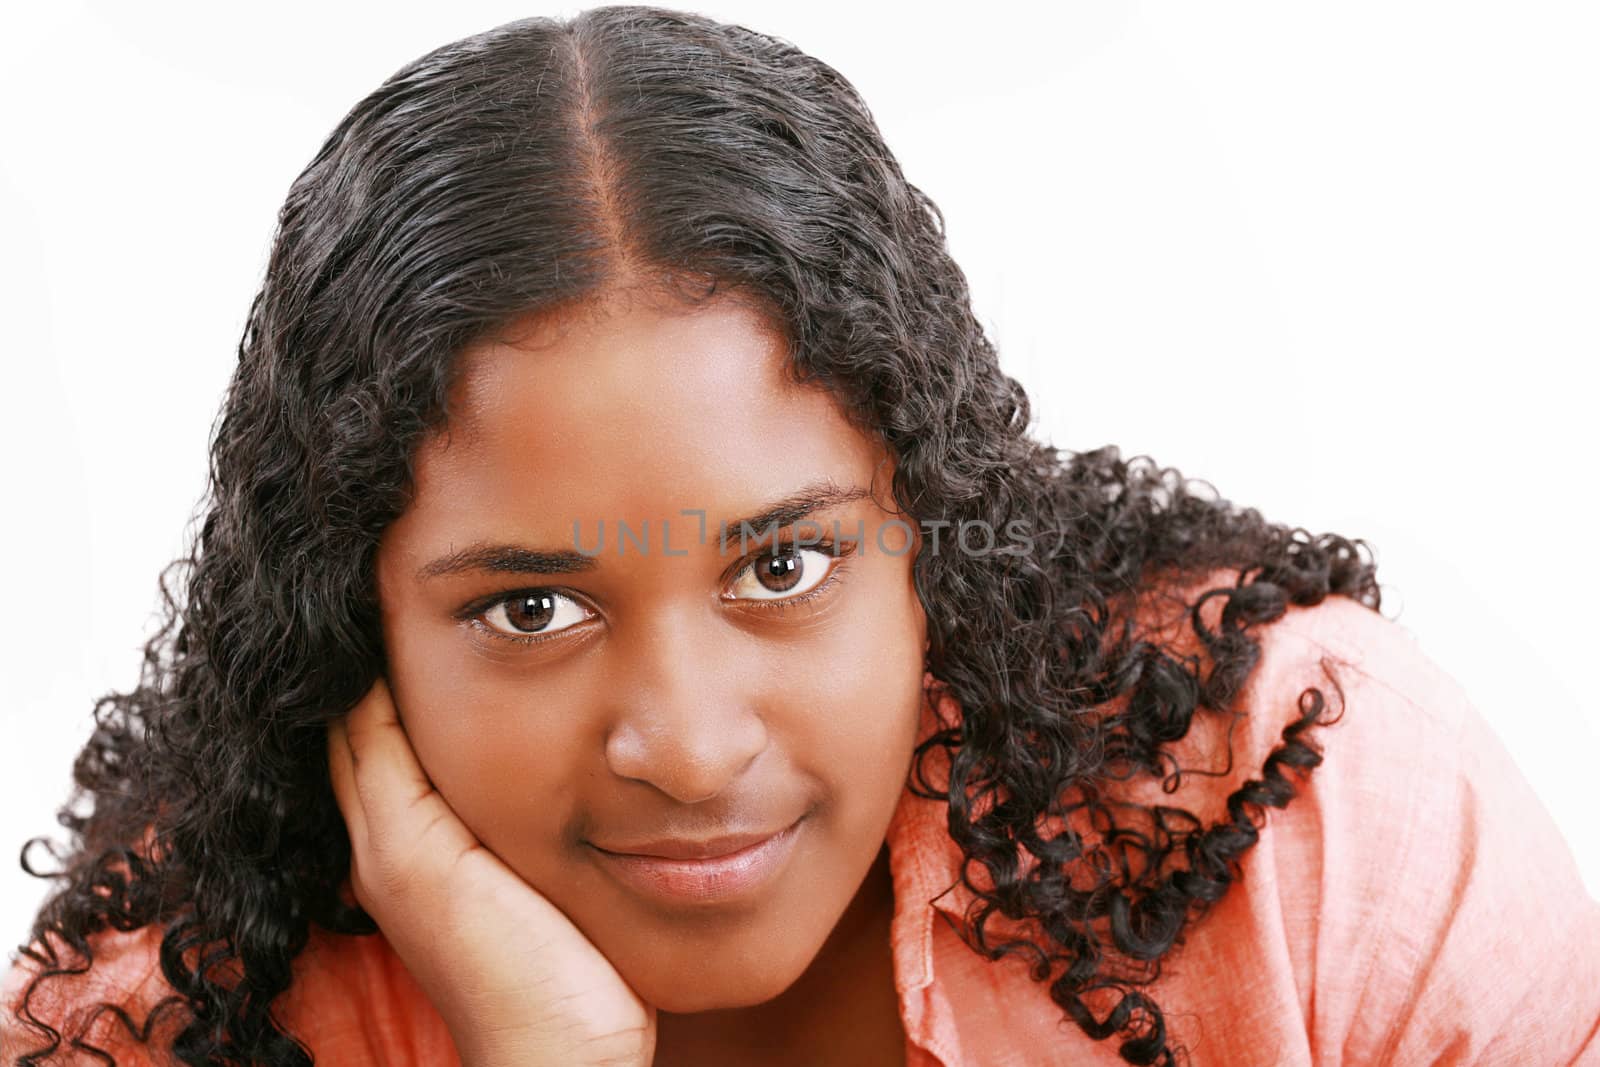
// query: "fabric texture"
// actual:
[[1414, 903]]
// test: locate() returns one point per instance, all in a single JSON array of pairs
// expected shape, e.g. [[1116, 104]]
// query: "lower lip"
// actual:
[[710, 881]]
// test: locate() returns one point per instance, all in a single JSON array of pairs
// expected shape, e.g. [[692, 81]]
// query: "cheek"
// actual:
[[863, 677], [502, 769], [869, 676]]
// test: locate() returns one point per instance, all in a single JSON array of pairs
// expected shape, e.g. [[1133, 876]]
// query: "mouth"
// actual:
[[685, 849], [735, 869]]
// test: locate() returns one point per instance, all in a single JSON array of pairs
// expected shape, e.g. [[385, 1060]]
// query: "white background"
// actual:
[[1338, 260]]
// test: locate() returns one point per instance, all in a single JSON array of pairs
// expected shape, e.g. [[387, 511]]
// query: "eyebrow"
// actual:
[[521, 559]]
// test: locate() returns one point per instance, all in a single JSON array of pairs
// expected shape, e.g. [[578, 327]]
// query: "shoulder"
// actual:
[[1388, 713], [1491, 941], [106, 1003], [1413, 895], [351, 1002], [1386, 720]]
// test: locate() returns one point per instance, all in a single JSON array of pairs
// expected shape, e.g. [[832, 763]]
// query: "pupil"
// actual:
[[784, 572], [536, 611]]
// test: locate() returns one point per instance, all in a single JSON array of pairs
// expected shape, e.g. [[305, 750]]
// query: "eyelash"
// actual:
[[474, 612]]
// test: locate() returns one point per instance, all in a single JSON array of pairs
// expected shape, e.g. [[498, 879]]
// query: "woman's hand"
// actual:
[[513, 979]]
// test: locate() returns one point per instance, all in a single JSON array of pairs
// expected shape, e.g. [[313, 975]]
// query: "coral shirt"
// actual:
[[1413, 904]]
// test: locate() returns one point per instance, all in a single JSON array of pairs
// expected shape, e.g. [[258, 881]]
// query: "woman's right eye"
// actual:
[[534, 615]]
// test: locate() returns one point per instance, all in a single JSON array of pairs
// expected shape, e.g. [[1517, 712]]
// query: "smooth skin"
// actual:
[[681, 689]]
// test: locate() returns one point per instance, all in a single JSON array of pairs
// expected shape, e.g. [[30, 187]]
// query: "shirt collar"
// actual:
[[925, 865]]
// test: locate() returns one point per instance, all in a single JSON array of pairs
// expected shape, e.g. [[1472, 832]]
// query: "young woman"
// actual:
[[632, 624]]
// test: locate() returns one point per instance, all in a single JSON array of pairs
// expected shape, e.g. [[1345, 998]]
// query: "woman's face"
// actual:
[[676, 688]]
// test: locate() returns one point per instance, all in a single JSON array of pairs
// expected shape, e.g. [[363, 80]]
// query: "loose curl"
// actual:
[[529, 168]]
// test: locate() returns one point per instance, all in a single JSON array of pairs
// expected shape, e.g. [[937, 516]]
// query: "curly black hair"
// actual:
[[527, 168]]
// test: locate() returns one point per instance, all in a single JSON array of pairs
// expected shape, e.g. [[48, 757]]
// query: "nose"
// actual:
[[687, 716]]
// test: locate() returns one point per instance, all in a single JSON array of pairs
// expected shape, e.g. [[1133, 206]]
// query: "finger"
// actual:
[[341, 772], [399, 804]]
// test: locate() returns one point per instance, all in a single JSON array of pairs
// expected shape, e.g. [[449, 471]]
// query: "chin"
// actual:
[[678, 999], [687, 994]]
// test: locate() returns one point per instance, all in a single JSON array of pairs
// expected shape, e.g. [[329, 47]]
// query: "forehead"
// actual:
[[631, 410]]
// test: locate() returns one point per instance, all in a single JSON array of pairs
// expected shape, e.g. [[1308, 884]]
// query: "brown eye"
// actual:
[[535, 612], [778, 574], [530, 613], [782, 573]]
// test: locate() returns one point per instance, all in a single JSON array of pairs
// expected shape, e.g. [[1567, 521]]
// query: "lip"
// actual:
[[679, 849], [724, 875]]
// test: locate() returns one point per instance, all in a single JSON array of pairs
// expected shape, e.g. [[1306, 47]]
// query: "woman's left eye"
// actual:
[[787, 574]]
